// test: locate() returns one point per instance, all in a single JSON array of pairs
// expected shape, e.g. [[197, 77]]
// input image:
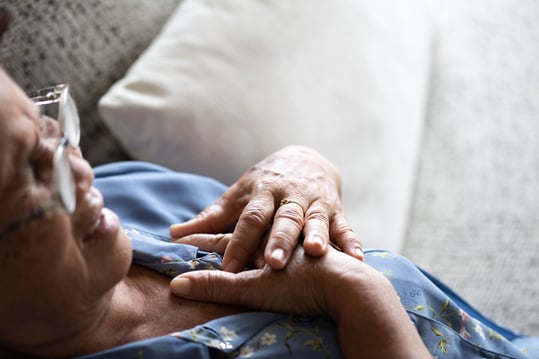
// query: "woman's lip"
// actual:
[[95, 225], [89, 212], [108, 223]]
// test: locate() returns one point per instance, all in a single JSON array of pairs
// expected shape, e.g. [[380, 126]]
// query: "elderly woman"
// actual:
[[69, 286], [76, 283]]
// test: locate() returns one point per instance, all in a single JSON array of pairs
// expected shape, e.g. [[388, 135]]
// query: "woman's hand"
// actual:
[[304, 286], [370, 319], [294, 192]]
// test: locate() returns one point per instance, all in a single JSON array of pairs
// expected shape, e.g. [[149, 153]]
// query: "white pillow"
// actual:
[[227, 82]]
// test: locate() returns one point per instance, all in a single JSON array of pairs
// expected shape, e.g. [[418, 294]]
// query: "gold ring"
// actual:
[[288, 201]]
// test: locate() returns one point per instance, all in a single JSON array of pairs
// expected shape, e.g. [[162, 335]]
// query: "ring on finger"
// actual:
[[288, 201]]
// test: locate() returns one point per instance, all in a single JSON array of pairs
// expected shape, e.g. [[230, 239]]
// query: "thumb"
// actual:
[[220, 287], [261, 289]]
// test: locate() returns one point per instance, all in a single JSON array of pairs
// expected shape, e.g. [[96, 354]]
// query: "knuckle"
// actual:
[[209, 211], [268, 181], [292, 213], [285, 235], [241, 249], [226, 288], [255, 216], [221, 241], [345, 229], [317, 214], [207, 285]]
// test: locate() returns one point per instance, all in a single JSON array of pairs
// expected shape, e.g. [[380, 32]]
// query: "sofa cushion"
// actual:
[[474, 222], [227, 82], [88, 44]]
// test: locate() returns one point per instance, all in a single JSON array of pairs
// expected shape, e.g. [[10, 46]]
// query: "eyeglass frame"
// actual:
[[68, 201]]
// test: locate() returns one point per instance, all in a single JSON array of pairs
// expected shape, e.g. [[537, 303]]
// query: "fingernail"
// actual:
[[278, 255], [359, 253], [181, 286]]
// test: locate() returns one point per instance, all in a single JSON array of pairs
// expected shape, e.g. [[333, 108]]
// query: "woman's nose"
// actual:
[[82, 172]]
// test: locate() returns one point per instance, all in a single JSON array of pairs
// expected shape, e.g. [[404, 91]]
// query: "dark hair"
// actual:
[[5, 20]]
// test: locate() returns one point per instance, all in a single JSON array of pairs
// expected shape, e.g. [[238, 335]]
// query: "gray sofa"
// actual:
[[474, 219], [473, 215]]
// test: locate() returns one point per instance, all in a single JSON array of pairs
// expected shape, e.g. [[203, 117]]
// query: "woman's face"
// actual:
[[56, 273]]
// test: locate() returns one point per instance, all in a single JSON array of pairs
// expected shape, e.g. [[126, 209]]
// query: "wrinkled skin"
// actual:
[[68, 286], [56, 275], [67, 280], [370, 318], [310, 184]]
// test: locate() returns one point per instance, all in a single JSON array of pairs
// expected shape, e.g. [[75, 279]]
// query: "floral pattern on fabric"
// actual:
[[276, 335], [449, 327], [170, 259]]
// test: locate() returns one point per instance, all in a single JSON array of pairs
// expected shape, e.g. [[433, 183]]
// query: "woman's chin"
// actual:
[[109, 252], [108, 241]]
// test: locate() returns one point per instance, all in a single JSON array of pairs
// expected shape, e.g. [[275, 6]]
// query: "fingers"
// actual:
[[345, 237], [216, 218], [316, 230], [212, 286], [320, 231], [297, 289], [207, 242], [288, 223], [319, 225], [247, 289], [285, 232], [252, 225]]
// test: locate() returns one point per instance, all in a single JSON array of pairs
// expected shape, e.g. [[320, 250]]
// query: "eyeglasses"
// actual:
[[56, 102]]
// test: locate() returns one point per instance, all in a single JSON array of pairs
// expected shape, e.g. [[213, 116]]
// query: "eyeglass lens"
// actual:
[[69, 119], [56, 102]]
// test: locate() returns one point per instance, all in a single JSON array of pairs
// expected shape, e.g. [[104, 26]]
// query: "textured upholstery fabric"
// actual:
[[86, 43], [474, 221]]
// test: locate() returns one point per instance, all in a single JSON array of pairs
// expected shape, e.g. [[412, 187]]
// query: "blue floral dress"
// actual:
[[148, 198]]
